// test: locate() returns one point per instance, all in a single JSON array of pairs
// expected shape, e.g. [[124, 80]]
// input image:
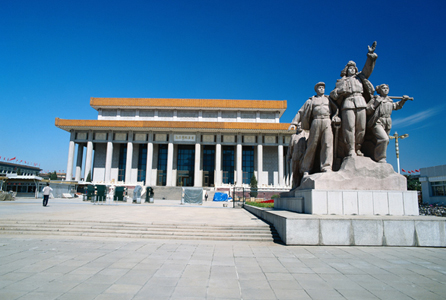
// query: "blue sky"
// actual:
[[55, 55]]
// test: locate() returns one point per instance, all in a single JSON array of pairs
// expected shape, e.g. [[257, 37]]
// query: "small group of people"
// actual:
[[334, 127]]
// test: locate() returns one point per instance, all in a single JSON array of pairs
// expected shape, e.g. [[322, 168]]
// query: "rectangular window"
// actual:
[[128, 113], [109, 112], [142, 162], [122, 162], [247, 163], [162, 165], [208, 165], [438, 188], [228, 164]]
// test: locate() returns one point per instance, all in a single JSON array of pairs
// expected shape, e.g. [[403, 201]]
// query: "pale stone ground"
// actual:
[[46, 267]]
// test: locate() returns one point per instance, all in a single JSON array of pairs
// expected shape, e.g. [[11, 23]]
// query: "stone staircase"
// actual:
[[265, 233]]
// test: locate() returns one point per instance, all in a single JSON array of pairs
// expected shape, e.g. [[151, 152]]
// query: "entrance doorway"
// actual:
[[208, 165], [186, 165]]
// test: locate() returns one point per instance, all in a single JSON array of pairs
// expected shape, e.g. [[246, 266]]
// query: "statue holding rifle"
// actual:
[[379, 110]]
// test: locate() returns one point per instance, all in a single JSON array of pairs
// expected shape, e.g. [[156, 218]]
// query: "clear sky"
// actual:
[[55, 55]]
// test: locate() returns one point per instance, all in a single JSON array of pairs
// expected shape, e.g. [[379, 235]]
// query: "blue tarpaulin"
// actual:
[[221, 197]]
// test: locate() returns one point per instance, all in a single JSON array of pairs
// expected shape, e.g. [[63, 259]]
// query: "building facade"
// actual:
[[180, 142], [12, 168], [433, 184]]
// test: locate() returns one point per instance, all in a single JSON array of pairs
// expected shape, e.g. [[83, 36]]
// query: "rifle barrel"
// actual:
[[399, 97]]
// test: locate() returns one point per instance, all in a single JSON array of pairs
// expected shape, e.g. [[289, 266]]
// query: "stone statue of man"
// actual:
[[316, 116], [379, 123], [296, 152], [352, 93]]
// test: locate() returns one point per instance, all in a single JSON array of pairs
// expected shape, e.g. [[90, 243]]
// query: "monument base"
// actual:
[[360, 187], [349, 202]]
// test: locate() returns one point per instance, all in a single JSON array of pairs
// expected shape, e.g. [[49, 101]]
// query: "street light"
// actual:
[[397, 149]]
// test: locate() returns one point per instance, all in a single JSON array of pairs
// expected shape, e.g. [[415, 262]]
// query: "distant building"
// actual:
[[11, 168], [60, 176], [433, 184], [21, 179], [180, 142]]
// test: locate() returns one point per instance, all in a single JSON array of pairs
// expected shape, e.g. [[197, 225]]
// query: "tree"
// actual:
[[53, 176], [88, 177], [413, 183], [253, 185]]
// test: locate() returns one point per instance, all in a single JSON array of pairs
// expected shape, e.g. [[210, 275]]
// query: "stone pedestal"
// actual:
[[360, 187], [350, 202]]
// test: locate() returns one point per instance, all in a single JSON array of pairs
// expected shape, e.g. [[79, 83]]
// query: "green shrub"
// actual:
[[258, 204]]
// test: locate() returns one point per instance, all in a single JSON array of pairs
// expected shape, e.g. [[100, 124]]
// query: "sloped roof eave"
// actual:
[[184, 126]]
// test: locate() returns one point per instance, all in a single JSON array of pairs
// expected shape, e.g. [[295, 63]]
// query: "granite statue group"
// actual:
[[350, 121]]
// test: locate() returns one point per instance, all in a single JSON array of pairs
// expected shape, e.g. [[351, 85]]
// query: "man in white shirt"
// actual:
[[46, 194]]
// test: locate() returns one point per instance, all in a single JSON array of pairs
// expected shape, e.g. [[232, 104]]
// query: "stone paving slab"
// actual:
[[58, 267]]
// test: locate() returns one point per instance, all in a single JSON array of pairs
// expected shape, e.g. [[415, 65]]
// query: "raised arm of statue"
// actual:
[[370, 62], [400, 104]]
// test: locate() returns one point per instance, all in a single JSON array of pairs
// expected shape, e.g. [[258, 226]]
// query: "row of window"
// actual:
[[186, 114], [186, 164], [22, 187], [14, 170], [163, 137]]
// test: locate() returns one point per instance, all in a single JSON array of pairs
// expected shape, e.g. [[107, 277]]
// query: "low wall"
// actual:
[[341, 230]]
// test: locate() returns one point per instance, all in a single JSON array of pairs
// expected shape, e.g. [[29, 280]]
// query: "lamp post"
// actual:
[[397, 149]]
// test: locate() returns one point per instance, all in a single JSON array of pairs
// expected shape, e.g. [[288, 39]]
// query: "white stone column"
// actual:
[[259, 161], [109, 157], [129, 159], [80, 157], [70, 163], [149, 160], [169, 168], [280, 156], [218, 172], [89, 157], [198, 179], [239, 172]]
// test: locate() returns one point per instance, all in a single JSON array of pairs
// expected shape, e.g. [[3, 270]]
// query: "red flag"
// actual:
[[403, 170], [12, 158], [417, 170]]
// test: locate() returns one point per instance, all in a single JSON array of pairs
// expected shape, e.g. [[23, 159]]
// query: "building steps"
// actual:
[[138, 230]]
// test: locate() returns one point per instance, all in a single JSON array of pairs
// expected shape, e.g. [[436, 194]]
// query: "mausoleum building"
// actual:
[[180, 142]]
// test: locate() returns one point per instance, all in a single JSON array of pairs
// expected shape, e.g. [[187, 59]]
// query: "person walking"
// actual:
[[46, 194]]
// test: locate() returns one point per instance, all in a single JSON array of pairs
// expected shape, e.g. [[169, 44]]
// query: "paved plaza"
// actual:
[[70, 267]]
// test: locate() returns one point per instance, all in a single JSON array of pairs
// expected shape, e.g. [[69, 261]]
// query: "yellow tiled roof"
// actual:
[[96, 103], [169, 125]]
